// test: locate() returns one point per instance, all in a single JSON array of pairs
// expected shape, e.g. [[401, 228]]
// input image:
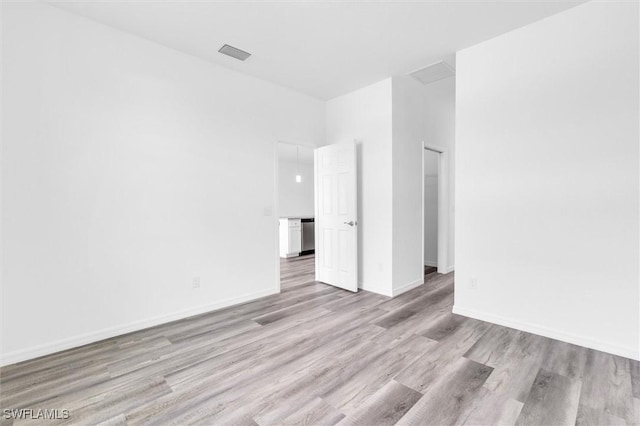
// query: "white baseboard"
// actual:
[[408, 286], [432, 263], [107, 333], [587, 342], [450, 268], [383, 290]]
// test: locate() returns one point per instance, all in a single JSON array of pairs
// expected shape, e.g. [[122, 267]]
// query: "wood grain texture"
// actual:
[[318, 355], [316, 413], [385, 407], [295, 271], [553, 400], [489, 408], [514, 375], [606, 395], [565, 359], [446, 401], [635, 378]]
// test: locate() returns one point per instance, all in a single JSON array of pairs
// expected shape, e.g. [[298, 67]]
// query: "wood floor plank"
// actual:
[[317, 413], [635, 377], [75, 358], [30, 396], [489, 408], [261, 398], [435, 364], [429, 286], [491, 348], [565, 359], [519, 366], [230, 396], [553, 400], [291, 310], [349, 395], [606, 389], [297, 271], [588, 416], [448, 400], [316, 354], [385, 407], [326, 372], [361, 299], [119, 400], [119, 420], [440, 328], [412, 308], [432, 310]]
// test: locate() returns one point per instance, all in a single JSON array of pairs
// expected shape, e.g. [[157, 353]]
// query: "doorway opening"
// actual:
[[430, 212], [435, 212], [295, 211]]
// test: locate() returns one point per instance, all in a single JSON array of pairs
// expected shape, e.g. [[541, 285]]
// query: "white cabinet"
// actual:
[[290, 237]]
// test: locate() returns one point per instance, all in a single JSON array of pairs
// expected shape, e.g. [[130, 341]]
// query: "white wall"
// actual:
[[390, 120], [440, 130], [547, 191], [408, 134], [365, 115], [295, 199], [129, 169], [430, 208], [420, 113]]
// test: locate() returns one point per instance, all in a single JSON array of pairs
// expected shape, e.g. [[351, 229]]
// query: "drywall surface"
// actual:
[[390, 120], [430, 208], [295, 199], [130, 169], [408, 134], [548, 178], [365, 116], [440, 130]]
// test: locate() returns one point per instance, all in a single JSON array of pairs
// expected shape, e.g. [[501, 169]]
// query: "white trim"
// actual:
[[450, 268], [552, 333], [443, 206], [276, 210], [432, 263], [406, 287], [316, 229], [383, 290], [107, 333], [302, 144]]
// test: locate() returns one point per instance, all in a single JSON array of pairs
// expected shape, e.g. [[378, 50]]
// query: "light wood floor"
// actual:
[[297, 270], [318, 355]]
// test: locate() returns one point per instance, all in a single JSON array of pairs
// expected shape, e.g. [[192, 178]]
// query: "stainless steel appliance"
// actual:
[[308, 236]]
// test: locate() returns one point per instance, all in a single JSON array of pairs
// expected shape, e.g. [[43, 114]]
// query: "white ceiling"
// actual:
[[323, 49]]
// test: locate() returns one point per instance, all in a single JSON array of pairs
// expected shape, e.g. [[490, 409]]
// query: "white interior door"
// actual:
[[336, 213]]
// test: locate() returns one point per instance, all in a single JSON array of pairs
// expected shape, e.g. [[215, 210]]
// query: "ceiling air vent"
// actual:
[[234, 52], [433, 72]]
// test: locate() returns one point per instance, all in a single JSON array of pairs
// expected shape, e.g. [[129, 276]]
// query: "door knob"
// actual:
[[350, 223]]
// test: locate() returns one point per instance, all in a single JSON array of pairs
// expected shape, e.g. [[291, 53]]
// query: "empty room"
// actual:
[[320, 212]]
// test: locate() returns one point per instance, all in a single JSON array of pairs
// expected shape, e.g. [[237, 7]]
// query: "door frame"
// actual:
[[276, 204], [443, 206]]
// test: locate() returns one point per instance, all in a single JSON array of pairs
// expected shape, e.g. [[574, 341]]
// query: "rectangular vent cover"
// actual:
[[433, 72], [234, 52]]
